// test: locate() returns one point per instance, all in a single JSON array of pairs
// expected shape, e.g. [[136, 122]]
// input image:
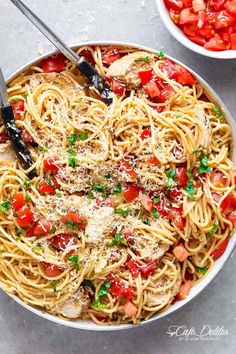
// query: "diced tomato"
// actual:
[[131, 192], [153, 161], [181, 174], [229, 202], [217, 253], [175, 214], [165, 94], [24, 216], [174, 4], [198, 5], [51, 270], [187, 16], [130, 309], [133, 267], [110, 202], [217, 4], [202, 17], [42, 227], [145, 76], [207, 32], [224, 19], [110, 56], [218, 179], [62, 241], [184, 290], [18, 106], [119, 289], [45, 188], [190, 30], [152, 89], [118, 87], [198, 40], [147, 269], [126, 167], [177, 72], [146, 202], [231, 6], [187, 3], [50, 165], [217, 196], [180, 252], [146, 133], [75, 219], [215, 44], [86, 53], [232, 216], [3, 138], [233, 41], [26, 137], [174, 15], [55, 63], [175, 193], [163, 207], [18, 201]]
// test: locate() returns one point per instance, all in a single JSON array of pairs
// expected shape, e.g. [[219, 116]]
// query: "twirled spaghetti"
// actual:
[[133, 202]]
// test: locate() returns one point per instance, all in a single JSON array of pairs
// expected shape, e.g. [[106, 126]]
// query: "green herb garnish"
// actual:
[[123, 212], [74, 137], [38, 248], [5, 206], [107, 176], [26, 184], [156, 199], [75, 260], [71, 225], [97, 188], [204, 165], [27, 197], [90, 195], [147, 222], [98, 304], [20, 232], [212, 230], [41, 148], [143, 59], [25, 95], [119, 241], [54, 285], [161, 54], [102, 292], [189, 187], [142, 245], [58, 193], [202, 270], [171, 175], [155, 213], [118, 189], [218, 111]]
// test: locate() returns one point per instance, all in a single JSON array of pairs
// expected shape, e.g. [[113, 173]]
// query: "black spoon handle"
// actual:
[[14, 135]]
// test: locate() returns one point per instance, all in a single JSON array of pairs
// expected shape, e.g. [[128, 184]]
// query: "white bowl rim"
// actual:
[[87, 325], [183, 39]]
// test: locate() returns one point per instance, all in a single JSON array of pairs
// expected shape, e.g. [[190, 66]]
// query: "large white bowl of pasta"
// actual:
[[132, 213]]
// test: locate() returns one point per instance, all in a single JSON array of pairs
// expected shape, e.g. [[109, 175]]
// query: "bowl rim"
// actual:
[[183, 39], [197, 289]]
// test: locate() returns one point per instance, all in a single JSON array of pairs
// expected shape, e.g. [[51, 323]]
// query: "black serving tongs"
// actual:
[[81, 64], [14, 134]]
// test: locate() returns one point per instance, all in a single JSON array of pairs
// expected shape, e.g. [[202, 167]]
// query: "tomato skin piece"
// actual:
[[174, 4], [110, 56], [198, 40], [217, 4], [25, 216], [145, 76], [224, 19], [146, 202], [118, 87], [133, 267], [18, 106], [26, 137], [215, 44], [175, 214], [147, 269], [184, 290], [217, 253], [18, 201], [174, 15], [231, 6], [152, 89], [3, 138], [232, 216], [88, 56], [233, 41], [181, 174], [187, 16], [130, 309], [228, 202], [146, 133], [176, 194], [218, 179], [180, 252], [61, 241], [126, 167], [55, 63], [50, 165], [76, 219], [153, 161], [45, 188], [131, 192], [119, 289], [51, 270], [42, 227], [198, 5], [163, 207]]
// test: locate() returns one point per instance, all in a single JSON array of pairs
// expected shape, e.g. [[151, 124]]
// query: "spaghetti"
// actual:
[[133, 202]]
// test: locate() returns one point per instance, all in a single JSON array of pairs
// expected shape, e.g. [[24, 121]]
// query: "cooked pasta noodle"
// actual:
[[133, 202]]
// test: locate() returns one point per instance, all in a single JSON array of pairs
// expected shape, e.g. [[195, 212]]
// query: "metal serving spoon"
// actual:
[[13, 132], [81, 64]]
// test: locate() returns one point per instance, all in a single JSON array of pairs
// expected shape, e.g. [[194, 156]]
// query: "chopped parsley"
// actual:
[[74, 137], [123, 212], [98, 304], [90, 195], [155, 213], [171, 175], [20, 232], [54, 285], [119, 241], [71, 152], [212, 230], [97, 188], [156, 199], [102, 292], [58, 193], [72, 225], [26, 184], [189, 187], [143, 59], [142, 245], [147, 222], [38, 248], [218, 111], [74, 258], [161, 54], [5, 206], [25, 95], [72, 162], [204, 164], [107, 176], [118, 189], [49, 181], [27, 197], [41, 148], [202, 270]]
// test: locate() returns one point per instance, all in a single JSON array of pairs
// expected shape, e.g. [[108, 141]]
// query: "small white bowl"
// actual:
[[197, 289], [180, 36]]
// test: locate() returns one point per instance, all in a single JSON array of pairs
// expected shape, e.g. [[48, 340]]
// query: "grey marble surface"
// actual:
[[133, 21]]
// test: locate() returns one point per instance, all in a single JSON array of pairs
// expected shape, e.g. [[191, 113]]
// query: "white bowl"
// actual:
[[79, 324], [180, 36]]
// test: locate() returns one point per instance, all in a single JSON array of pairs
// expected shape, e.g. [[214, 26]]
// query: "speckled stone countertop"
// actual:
[[132, 21]]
